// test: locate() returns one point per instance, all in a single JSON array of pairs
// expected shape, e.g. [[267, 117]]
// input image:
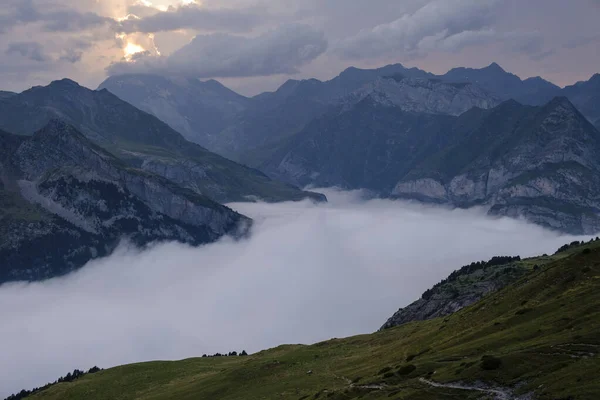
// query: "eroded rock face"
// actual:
[[539, 163], [545, 171], [141, 140], [198, 110], [462, 289], [69, 201], [426, 189], [431, 96]]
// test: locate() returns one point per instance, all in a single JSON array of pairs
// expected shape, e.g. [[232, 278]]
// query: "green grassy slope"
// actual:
[[544, 330]]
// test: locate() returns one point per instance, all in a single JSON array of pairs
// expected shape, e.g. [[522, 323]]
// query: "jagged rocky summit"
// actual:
[[142, 141], [65, 201], [539, 163]]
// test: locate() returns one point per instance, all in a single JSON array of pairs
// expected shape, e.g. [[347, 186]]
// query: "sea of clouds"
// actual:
[[307, 273]]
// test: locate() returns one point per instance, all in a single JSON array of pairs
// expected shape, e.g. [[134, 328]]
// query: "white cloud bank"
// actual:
[[308, 273]]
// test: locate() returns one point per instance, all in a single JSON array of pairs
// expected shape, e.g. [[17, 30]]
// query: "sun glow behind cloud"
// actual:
[[132, 49], [132, 44]]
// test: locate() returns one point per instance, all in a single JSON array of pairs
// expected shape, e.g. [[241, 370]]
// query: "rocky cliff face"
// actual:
[[367, 146], [431, 96], [504, 85], [461, 289], [141, 140], [67, 201], [586, 96], [537, 163], [198, 110]]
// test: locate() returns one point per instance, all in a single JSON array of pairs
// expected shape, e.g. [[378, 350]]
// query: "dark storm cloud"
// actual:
[[53, 17], [31, 50], [72, 56], [440, 24], [73, 21], [195, 17], [552, 38], [582, 40], [280, 51]]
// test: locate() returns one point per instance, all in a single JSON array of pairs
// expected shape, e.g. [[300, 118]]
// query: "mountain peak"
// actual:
[[561, 106], [534, 79], [60, 136], [66, 82], [560, 101], [56, 127], [595, 79], [214, 83], [495, 67], [349, 70]]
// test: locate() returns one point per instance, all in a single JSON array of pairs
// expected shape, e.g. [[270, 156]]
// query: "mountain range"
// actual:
[[522, 148], [251, 124], [536, 162], [81, 169], [471, 137], [140, 139], [66, 201]]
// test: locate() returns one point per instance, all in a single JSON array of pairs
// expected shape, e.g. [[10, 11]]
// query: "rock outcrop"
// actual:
[[66, 201], [539, 163], [142, 141], [461, 289], [430, 96]]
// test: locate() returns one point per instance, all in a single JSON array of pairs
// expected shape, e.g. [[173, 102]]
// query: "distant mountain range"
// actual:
[[532, 91], [65, 201], [85, 168], [523, 148], [233, 125], [198, 110], [82, 169], [586, 95], [537, 162], [140, 139]]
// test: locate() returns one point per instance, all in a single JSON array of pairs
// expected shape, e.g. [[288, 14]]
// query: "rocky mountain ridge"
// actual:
[[536, 163], [198, 110], [520, 161], [461, 289], [67, 201], [141, 140], [259, 124], [429, 96]]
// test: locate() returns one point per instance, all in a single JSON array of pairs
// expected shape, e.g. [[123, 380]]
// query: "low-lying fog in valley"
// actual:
[[308, 273]]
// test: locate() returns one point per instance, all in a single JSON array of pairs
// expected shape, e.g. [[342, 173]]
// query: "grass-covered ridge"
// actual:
[[539, 335]]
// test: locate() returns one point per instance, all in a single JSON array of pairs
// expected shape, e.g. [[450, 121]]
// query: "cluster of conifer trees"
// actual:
[[571, 245], [230, 354], [70, 377], [469, 269]]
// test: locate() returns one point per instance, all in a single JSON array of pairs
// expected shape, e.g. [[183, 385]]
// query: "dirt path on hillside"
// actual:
[[498, 393]]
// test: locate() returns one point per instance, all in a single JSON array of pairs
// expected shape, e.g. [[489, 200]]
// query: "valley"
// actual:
[[530, 338]]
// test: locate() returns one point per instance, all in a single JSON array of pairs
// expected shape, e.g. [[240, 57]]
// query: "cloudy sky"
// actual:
[[255, 45]]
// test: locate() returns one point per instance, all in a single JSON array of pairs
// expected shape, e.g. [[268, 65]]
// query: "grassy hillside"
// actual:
[[539, 335]]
